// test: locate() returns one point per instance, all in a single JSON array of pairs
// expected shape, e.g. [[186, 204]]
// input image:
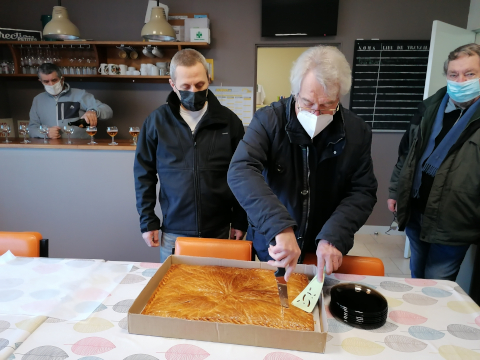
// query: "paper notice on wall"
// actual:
[[239, 99]]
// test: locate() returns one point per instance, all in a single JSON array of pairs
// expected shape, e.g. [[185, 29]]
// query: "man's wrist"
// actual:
[[326, 242]]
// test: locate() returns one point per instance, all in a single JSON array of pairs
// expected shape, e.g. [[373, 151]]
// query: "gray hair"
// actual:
[[48, 68], [187, 57], [464, 50], [330, 66]]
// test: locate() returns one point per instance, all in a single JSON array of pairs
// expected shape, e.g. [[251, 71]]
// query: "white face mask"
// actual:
[[314, 124], [54, 89]]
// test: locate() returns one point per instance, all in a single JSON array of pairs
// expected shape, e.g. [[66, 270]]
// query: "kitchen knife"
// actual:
[[281, 283], [282, 286]]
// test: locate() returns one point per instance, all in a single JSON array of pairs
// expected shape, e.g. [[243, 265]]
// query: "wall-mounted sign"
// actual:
[[388, 81], [20, 35]]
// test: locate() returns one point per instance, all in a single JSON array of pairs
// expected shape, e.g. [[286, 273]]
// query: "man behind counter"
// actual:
[[60, 104]]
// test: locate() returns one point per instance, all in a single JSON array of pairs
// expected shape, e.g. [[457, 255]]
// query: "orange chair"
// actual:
[[216, 248], [27, 244], [360, 265]]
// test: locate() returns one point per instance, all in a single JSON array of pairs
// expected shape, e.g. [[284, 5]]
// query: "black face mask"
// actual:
[[193, 101]]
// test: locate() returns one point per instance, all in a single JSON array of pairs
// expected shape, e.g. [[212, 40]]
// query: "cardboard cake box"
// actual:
[[254, 335]]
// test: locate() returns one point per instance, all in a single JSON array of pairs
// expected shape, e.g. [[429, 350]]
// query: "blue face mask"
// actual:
[[462, 92]]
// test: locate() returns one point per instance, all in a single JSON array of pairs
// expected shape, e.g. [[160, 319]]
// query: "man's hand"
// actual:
[[392, 205], [286, 252], [151, 238], [54, 132], [90, 117], [236, 234], [327, 256]]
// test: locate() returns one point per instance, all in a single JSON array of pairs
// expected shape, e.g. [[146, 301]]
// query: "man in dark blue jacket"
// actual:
[[188, 143], [303, 172]]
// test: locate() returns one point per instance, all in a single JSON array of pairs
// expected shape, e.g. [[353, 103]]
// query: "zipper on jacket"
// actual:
[[414, 144], [56, 109], [306, 193], [196, 183]]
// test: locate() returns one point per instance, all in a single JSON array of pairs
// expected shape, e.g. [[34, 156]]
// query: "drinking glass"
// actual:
[[23, 130], [68, 130], [44, 130], [134, 131], [91, 130], [112, 131], [5, 129]]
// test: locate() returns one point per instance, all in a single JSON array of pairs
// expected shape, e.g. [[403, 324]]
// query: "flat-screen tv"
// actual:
[[299, 18]]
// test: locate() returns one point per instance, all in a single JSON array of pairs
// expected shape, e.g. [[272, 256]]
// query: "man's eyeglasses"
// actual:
[[320, 111], [394, 225]]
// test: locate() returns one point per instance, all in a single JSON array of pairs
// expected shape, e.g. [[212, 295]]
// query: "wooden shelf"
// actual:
[[118, 78], [171, 44], [78, 144], [103, 52]]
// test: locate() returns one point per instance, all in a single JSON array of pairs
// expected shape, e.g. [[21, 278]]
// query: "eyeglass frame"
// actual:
[[392, 227], [321, 111]]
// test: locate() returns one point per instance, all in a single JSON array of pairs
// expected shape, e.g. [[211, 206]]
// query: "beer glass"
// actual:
[[91, 130], [134, 131], [112, 131], [23, 130]]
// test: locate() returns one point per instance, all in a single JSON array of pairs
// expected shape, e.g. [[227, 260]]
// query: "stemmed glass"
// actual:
[[91, 130], [44, 130], [112, 131], [6, 130], [68, 130], [23, 130], [134, 131]]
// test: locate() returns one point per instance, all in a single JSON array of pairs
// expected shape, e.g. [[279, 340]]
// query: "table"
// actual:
[[427, 320]]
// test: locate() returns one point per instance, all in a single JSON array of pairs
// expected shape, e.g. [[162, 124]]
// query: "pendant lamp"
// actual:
[[60, 27], [158, 27]]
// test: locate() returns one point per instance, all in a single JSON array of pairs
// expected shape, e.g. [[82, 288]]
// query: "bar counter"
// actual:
[[80, 198], [78, 144]]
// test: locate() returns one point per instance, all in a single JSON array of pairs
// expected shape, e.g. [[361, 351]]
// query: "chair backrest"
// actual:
[[28, 244], [216, 248], [360, 265]]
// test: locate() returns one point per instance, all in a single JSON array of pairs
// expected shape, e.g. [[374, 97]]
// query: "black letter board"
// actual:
[[388, 81]]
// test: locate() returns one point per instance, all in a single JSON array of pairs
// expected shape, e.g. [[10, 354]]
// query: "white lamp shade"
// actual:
[[60, 27], [158, 27]]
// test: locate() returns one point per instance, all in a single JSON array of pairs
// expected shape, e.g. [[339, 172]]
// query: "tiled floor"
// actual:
[[389, 248]]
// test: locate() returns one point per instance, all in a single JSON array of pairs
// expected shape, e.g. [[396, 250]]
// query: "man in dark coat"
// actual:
[[435, 184], [303, 171], [188, 143]]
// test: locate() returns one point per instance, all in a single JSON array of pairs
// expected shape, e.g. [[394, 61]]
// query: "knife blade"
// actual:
[[282, 286]]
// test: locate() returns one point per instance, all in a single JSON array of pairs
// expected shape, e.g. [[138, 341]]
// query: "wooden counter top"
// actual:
[[78, 144]]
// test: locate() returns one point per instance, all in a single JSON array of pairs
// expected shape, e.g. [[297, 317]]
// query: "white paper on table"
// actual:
[[67, 289], [8, 256]]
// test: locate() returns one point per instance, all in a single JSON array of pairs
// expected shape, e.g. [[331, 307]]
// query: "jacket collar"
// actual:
[[297, 134], [63, 92], [214, 114], [433, 103]]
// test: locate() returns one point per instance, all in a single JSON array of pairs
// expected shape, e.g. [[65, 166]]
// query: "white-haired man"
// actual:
[[303, 172], [189, 143]]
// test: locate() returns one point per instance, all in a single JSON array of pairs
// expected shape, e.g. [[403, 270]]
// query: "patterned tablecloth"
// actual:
[[427, 320]]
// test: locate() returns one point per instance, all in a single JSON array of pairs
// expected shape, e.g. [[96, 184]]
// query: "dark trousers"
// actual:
[[432, 261]]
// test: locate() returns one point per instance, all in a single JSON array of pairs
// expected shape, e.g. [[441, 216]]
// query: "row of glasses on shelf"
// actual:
[[81, 60], [91, 131], [7, 66]]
